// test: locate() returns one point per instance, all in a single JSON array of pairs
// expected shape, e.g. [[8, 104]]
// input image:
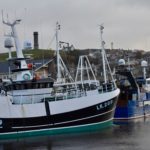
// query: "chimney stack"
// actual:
[[36, 43]]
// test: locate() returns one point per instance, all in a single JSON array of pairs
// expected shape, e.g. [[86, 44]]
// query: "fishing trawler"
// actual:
[[32, 107], [134, 99]]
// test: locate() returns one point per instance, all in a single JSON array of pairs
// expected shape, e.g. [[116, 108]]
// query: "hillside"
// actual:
[[71, 57], [35, 54]]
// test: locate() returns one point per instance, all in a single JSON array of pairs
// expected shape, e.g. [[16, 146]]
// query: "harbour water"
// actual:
[[127, 136]]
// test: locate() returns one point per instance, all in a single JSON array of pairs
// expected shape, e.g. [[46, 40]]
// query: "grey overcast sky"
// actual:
[[127, 22]]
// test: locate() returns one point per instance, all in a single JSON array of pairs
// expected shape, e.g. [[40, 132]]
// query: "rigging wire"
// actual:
[[51, 41]]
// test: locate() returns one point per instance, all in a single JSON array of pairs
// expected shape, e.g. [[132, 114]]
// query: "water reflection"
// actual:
[[131, 136]]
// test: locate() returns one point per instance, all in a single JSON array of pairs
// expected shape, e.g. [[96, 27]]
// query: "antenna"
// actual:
[[7, 18], [4, 22], [2, 16], [17, 21]]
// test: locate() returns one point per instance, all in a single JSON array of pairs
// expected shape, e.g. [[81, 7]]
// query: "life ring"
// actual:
[[26, 76]]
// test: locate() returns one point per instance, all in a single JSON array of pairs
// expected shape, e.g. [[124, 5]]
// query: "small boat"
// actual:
[[32, 107], [134, 99]]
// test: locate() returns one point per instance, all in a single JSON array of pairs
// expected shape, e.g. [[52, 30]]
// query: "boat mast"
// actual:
[[57, 53], [61, 67], [103, 53]]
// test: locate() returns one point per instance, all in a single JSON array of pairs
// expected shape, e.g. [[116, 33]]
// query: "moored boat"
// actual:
[[42, 107], [133, 101]]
